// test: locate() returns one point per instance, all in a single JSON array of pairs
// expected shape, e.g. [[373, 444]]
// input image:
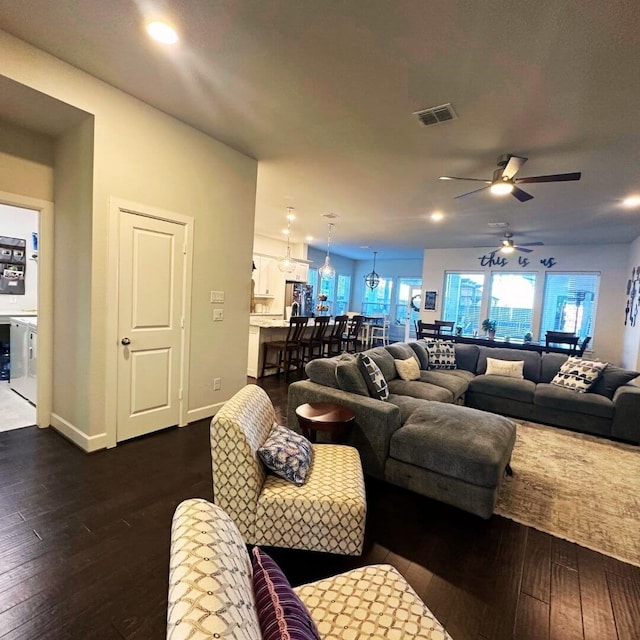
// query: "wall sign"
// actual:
[[494, 260], [430, 300]]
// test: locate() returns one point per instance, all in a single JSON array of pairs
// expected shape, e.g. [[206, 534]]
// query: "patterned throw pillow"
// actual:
[[442, 354], [506, 368], [408, 369], [281, 613], [288, 454], [373, 377], [578, 374]]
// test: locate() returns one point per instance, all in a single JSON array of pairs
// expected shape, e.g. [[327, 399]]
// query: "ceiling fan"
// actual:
[[504, 180], [507, 245]]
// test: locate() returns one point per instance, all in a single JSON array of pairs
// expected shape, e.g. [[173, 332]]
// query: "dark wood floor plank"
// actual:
[[532, 619], [565, 609], [625, 599], [98, 567], [536, 572], [597, 614]]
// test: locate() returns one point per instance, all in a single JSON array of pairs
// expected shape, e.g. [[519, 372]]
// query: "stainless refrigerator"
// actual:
[[298, 299]]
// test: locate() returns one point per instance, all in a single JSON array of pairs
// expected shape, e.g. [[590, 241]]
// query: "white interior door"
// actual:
[[151, 281]]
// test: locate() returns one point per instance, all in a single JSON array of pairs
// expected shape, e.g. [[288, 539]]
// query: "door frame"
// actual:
[[117, 205], [44, 374]]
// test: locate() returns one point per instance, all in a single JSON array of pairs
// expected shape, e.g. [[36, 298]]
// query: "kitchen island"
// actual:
[[263, 330]]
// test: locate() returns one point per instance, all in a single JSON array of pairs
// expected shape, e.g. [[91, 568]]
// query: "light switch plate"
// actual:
[[218, 315], [217, 296]]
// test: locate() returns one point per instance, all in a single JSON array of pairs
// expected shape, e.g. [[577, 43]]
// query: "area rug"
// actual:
[[577, 487]]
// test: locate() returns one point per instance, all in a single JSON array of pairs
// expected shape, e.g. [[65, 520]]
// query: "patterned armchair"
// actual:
[[326, 514], [211, 593]]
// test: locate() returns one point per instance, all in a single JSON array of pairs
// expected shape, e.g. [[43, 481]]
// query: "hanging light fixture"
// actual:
[[372, 279], [326, 270], [286, 264]]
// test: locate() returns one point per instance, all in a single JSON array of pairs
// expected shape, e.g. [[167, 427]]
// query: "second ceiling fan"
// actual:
[[504, 180]]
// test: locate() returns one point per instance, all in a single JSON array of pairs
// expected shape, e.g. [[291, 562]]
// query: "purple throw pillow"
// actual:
[[281, 613]]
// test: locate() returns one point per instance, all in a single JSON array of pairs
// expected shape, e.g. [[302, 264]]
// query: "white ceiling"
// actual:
[[322, 94]]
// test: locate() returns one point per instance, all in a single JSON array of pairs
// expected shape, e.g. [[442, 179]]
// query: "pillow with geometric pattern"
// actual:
[[577, 374], [373, 377], [442, 354], [288, 454]]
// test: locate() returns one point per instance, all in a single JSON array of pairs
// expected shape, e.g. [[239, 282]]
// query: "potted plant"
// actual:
[[490, 327], [528, 337]]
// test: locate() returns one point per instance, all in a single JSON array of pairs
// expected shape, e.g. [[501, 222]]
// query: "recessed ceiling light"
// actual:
[[436, 216], [162, 32], [631, 201], [309, 238], [286, 232]]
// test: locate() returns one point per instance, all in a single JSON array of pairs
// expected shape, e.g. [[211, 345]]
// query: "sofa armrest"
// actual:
[[626, 420], [376, 421]]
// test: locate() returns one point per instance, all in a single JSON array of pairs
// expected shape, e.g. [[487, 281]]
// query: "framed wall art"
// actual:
[[430, 300]]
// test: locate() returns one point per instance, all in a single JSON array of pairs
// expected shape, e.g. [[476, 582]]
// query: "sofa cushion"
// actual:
[[374, 378], [457, 442], [402, 351], [550, 395], [531, 360], [281, 613], [323, 371], [406, 404], [612, 378], [350, 378], [455, 381], [578, 374], [442, 354], [550, 364], [418, 389], [505, 368], [408, 369], [384, 360], [467, 357], [421, 353], [288, 454], [512, 388]]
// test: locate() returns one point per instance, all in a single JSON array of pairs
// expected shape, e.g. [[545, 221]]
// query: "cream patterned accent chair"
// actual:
[[211, 594], [327, 513]]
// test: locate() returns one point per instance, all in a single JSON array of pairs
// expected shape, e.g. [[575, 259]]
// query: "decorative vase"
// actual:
[[491, 333]]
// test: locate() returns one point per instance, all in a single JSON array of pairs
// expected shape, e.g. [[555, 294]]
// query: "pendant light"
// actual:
[[326, 271], [286, 264], [372, 279]]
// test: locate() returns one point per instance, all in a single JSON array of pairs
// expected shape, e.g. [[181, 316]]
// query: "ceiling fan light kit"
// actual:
[[504, 180]]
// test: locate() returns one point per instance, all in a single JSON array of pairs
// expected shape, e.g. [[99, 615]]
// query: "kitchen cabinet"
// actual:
[[264, 276], [301, 273]]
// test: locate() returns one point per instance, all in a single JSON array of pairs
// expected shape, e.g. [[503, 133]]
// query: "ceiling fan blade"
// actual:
[[464, 195], [472, 179], [519, 247], [523, 196], [513, 166], [556, 177], [532, 244]]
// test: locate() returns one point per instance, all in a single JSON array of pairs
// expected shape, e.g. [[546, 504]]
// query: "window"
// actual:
[[378, 300], [343, 291], [462, 300], [570, 303], [511, 303]]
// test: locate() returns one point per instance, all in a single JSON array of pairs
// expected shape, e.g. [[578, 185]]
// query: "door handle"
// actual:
[[125, 341]]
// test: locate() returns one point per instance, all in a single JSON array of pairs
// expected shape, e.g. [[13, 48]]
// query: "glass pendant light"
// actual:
[[326, 271], [372, 279], [286, 264]]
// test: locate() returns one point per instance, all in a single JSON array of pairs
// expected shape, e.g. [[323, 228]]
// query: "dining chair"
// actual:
[[428, 330], [289, 350], [446, 326], [380, 332], [583, 345]]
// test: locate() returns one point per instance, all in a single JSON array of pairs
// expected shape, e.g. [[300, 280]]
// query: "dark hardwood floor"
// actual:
[[84, 545]]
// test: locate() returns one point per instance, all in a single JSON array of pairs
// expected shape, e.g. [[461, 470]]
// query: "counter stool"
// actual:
[[333, 342], [314, 341], [289, 350]]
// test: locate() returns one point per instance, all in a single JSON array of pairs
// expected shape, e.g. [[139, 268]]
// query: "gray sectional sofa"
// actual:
[[611, 408]]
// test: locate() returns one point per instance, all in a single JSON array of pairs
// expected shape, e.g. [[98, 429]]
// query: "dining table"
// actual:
[[509, 343]]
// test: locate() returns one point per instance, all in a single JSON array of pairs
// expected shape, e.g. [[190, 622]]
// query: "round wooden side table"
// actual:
[[333, 419]]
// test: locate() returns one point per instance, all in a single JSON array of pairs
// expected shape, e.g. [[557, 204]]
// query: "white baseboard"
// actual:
[[203, 412], [79, 438]]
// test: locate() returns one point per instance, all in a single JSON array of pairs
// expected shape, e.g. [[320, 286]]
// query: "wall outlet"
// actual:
[[217, 296], [217, 383], [218, 315]]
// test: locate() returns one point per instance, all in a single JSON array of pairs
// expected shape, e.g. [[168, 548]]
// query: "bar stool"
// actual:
[[381, 332], [289, 350], [332, 344], [314, 341], [352, 336]]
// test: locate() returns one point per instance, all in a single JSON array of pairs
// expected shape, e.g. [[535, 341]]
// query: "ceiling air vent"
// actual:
[[436, 115], [498, 225], [331, 216]]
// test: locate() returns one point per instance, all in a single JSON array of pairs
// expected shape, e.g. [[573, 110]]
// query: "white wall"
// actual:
[[631, 337], [16, 222], [610, 260], [144, 156]]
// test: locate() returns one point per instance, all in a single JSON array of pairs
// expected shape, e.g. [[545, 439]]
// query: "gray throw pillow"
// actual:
[[612, 378], [350, 378]]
